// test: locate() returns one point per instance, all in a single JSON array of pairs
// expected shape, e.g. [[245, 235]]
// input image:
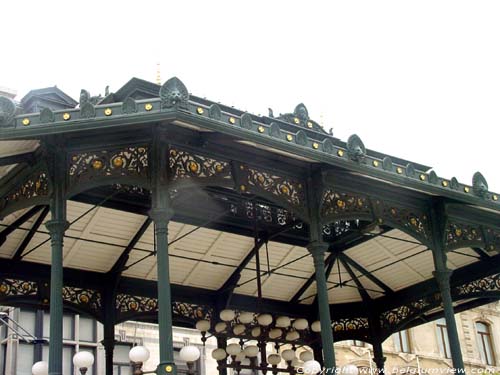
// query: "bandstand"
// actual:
[[156, 205]]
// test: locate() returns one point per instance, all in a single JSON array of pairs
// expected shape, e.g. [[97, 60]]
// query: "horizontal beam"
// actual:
[[28, 157]]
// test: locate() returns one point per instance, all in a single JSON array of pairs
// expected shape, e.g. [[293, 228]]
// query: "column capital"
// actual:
[[57, 226], [317, 248], [161, 214]]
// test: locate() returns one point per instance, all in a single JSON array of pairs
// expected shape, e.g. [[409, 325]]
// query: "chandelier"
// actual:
[[262, 342]]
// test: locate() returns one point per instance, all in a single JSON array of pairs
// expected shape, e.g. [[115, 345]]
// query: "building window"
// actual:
[[402, 341], [442, 335], [121, 362], [359, 343], [485, 343]]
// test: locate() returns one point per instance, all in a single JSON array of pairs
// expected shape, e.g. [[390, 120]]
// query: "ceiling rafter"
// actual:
[[27, 157], [368, 275], [29, 236], [18, 222], [361, 289]]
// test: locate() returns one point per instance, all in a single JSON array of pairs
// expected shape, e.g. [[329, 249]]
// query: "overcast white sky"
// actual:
[[415, 79]]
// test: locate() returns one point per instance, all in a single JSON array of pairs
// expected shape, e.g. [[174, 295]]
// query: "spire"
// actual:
[[158, 77]]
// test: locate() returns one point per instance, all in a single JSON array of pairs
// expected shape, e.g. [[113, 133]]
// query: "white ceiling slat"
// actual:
[[93, 221]]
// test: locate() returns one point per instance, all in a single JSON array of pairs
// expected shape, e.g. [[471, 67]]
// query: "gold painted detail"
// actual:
[[108, 111], [148, 107], [184, 164], [26, 121], [337, 203], [66, 116], [200, 110]]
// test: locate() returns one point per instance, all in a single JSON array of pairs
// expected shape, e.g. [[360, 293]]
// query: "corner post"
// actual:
[[161, 213], [378, 352], [318, 248], [57, 226], [109, 329], [442, 275]]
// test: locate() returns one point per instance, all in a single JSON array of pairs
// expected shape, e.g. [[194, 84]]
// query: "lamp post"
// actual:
[[82, 361]]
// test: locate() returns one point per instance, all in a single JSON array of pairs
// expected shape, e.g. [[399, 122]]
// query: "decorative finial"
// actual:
[[271, 114], [158, 77], [479, 185], [301, 112], [355, 148], [84, 97], [174, 93]]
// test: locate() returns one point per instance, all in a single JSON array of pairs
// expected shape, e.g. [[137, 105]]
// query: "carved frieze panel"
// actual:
[[129, 304], [187, 165], [486, 284], [349, 324], [17, 288], [89, 165], [460, 234], [87, 299], [36, 185], [342, 204], [413, 220], [395, 317], [283, 187]]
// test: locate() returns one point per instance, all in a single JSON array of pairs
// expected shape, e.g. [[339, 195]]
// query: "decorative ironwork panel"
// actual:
[[414, 221], [349, 324], [486, 284], [129, 304], [288, 189], [132, 190], [185, 165], [460, 234], [17, 288], [35, 186], [266, 214], [87, 299], [90, 165], [334, 203], [397, 316]]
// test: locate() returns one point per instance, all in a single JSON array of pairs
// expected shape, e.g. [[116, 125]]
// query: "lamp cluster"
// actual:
[[81, 360], [254, 332]]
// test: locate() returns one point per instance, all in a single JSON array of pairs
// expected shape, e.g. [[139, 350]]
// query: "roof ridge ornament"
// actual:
[[173, 94], [355, 148], [129, 106], [479, 185], [47, 115], [7, 111], [300, 117]]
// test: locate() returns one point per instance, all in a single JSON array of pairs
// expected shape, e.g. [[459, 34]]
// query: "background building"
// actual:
[[423, 347]]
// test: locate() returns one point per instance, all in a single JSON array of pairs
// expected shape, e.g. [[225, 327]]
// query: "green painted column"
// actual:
[[442, 275], [56, 227], [161, 218], [378, 356], [317, 250]]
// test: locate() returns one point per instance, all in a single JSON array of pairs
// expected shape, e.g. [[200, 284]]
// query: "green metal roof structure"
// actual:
[[249, 201]]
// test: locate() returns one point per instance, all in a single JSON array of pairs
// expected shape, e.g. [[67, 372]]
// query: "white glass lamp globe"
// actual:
[[316, 326], [138, 354], [292, 336], [275, 333], [227, 315], [240, 357], [203, 325], [83, 360], [239, 329], [190, 353], [350, 370], [297, 362], [264, 319], [233, 349], [312, 367], [288, 355], [219, 354], [245, 362], [300, 324], [251, 351], [256, 331], [274, 359], [40, 368], [283, 322], [220, 327], [246, 317], [306, 356]]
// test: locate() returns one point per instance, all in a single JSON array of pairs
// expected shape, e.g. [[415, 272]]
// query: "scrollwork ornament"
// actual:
[[14, 287], [7, 111], [328, 146], [246, 121], [410, 170], [174, 93], [301, 138], [214, 112], [387, 163], [275, 130], [184, 164], [129, 106], [47, 116], [87, 110]]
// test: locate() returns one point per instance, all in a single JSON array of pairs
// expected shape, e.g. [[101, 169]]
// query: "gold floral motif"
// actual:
[[148, 107], [26, 121], [289, 137], [309, 124], [296, 120], [66, 116], [444, 183], [108, 111], [232, 120], [375, 163], [261, 129], [97, 164], [118, 162], [200, 110], [193, 167], [315, 145], [340, 153]]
